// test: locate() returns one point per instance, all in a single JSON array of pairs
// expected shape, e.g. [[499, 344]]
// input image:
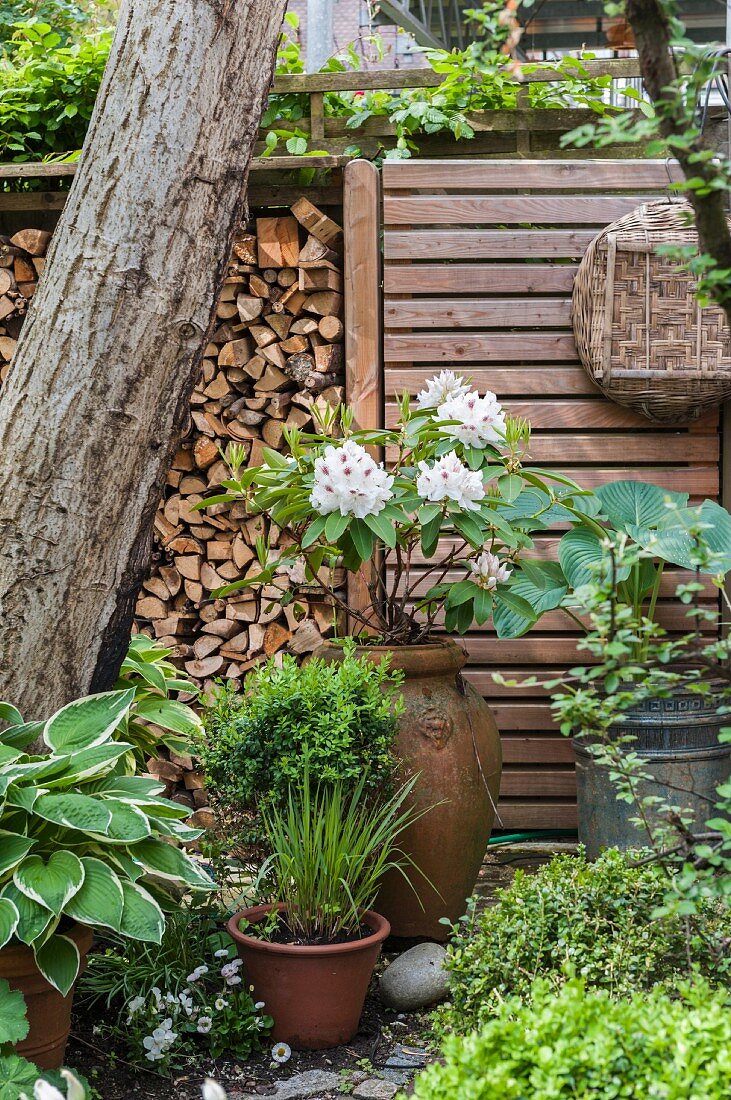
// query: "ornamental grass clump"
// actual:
[[595, 919], [458, 492], [330, 850]]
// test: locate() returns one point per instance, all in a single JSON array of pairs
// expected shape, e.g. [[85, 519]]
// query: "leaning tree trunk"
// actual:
[[98, 392]]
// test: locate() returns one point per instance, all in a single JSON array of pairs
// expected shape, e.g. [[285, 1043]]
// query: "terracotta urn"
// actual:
[[314, 994], [449, 736], [49, 1012]]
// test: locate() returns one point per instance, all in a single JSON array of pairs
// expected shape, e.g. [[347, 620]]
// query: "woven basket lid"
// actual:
[[640, 332]]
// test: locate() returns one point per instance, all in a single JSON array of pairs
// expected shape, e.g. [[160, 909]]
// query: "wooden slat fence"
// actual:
[[479, 259]]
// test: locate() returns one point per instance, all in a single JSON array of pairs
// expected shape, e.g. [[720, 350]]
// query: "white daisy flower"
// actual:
[[281, 1052]]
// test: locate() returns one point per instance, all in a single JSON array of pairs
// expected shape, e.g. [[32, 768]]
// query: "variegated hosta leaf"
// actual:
[[75, 811], [127, 823], [89, 763], [100, 900], [9, 920], [137, 787], [163, 861], [50, 883], [142, 917], [13, 848], [87, 722], [58, 961], [34, 918]]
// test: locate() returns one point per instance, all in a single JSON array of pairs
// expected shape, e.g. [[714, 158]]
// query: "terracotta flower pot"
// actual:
[[314, 994], [449, 736], [49, 1013]]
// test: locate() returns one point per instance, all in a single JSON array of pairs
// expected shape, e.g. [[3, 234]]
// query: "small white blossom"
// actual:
[[197, 974], [205, 1024], [347, 480], [220, 1003], [259, 1005], [222, 953], [281, 1052], [186, 1001], [230, 969], [450, 479], [43, 1091], [489, 571], [212, 1091], [135, 1005], [440, 388], [234, 980], [75, 1090], [480, 420]]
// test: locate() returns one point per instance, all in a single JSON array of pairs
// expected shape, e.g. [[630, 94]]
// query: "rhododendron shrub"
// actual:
[[436, 515]]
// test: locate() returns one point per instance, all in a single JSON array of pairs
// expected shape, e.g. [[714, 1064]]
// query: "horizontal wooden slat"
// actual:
[[644, 447], [586, 414], [486, 244], [699, 481], [672, 615], [460, 313], [521, 720], [548, 175], [535, 814], [525, 278], [457, 347], [596, 210], [548, 378], [540, 782], [535, 750], [482, 680]]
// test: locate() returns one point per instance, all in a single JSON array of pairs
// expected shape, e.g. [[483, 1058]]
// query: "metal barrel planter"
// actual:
[[677, 738]]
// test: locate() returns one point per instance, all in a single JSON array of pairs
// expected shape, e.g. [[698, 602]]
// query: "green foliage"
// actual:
[[190, 978], [582, 1044], [82, 837], [67, 18], [18, 1076], [13, 1022], [342, 716], [572, 915], [330, 849], [156, 718], [47, 92]]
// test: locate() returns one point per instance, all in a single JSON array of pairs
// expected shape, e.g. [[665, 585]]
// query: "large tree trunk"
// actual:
[[99, 389]]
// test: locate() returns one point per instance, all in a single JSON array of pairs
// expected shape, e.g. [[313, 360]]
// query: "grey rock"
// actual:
[[312, 1083], [415, 979], [397, 1076], [375, 1089]]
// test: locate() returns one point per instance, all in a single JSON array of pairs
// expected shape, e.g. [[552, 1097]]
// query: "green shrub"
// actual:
[[343, 717], [588, 1046], [596, 918]]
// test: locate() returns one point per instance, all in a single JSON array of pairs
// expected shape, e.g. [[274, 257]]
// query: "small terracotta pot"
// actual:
[[448, 735], [314, 994], [49, 1013]]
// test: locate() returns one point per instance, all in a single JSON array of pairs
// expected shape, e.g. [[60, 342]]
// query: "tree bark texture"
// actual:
[[650, 23], [99, 389]]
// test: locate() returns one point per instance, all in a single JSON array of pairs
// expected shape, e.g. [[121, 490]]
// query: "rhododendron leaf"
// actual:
[[314, 531], [335, 526], [50, 883], [383, 529], [470, 530], [58, 961], [362, 538], [510, 486], [465, 617], [9, 920], [483, 605], [430, 535]]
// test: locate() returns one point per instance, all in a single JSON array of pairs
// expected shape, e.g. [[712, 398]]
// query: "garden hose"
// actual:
[[532, 834]]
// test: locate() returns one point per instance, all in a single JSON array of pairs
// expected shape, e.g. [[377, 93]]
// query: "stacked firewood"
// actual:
[[276, 354], [22, 259]]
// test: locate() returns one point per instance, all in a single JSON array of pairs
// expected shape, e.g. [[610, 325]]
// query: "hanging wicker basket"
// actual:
[[640, 332]]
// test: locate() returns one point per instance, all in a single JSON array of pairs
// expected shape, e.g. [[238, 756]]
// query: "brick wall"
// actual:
[[351, 23]]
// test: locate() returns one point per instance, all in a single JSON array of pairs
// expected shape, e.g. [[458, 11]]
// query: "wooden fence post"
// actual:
[[363, 312]]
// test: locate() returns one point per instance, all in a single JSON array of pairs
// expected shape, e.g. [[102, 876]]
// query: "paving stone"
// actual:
[[312, 1083], [399, 1058], [375, 1089], [398, 1076]]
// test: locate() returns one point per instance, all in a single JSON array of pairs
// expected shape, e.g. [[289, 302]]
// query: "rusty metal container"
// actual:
[[678, 741], [448, 735]]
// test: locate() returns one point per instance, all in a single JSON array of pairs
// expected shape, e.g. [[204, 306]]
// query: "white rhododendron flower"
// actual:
[[479, 419], [450, 479], [281, 1052], [347, 480], [440, 388], [489, 571]]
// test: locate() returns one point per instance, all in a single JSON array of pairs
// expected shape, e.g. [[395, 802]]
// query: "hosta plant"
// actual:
[[82, 837], [459, 493]]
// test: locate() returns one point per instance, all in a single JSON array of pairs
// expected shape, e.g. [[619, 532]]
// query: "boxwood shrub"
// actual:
[[594, 919], [586, 1045]]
